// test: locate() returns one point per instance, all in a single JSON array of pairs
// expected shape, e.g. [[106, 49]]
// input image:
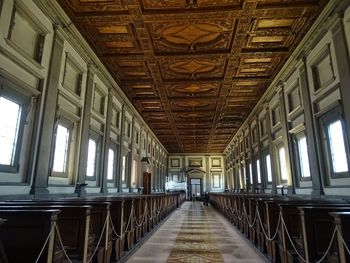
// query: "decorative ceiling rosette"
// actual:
[[192, 36]]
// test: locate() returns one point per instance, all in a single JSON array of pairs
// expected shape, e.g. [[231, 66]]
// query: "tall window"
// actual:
[[337, 147], [134, 173], [283, 163], [250, 173], [258, 171], [61, 149], [10, 116], [239, 174], [303, 157], [91, 160], [110, 169], [268, 168], [243, 184], [123, 168]]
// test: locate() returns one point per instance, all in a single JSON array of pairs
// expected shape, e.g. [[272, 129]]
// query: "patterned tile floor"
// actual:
[[196, 234]]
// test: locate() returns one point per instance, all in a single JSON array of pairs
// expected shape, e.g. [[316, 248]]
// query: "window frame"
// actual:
[[265, 174], [113, 147], [278, 148], [251, 175], [70, 126], [258, 170], [97, 139], [126, 172], [243, 175], [298, 166], [324, 121], [24, 103]]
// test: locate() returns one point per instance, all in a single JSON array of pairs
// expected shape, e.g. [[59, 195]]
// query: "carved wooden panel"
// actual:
[[189, 4], [140, 90], [192, 36], [84, 6], [130, 69], [193, 89], [150, 105], [193, 116], [156, 117], [192, 105], [194, 69]]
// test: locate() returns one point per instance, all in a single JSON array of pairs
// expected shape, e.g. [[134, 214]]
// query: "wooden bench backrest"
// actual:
[[25, 232]]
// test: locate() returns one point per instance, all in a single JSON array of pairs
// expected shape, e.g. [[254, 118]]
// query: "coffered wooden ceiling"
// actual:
[[193, 68]]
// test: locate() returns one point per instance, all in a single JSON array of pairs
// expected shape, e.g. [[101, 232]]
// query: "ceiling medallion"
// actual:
[[193, 104], [192, 67], [156, 115], [193, 89], [191, 34]]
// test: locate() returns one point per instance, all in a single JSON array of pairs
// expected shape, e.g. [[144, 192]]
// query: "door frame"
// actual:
[[202, 176]]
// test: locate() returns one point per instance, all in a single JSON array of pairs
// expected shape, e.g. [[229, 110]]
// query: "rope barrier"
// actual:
[[263, 229], [114, 231], [150, 214], [247, 219], [281, 220], [61, 244], [154, 209], [234, 209], [99, 240], [342, 239], [239, 215], [45, 243], [143, 217], [129, 220], [299, 255], [130, 217]]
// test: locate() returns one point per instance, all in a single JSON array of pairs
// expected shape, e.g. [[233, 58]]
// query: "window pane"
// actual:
[[110, 171], [250, 173], [268, 168], [303, 157], [123, 168], [258, 170], [91, 161], [61, 149], [244, 177], [283, 164], [239, 174], [134, 172], [10, 114], [336, 141]]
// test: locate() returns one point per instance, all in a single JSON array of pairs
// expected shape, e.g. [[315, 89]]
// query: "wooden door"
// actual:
[[146, 183]]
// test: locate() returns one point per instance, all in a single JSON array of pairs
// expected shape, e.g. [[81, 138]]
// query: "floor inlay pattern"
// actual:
[[196, 234], [194, 242]]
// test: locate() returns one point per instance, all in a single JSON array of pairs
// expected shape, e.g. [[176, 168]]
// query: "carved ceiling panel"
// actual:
[[194, 69], [195, 132], [192, 36], [189, 4], [86, 6], [193, 116], [161, 126], [130, 69], [193, 90], [140, 90], [156, 117], [192, 105], [150, 105]]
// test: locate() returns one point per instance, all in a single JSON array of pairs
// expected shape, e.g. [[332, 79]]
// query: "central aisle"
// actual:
[[196, 234]]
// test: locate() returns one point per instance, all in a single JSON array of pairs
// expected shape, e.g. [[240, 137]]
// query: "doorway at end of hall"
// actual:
[[195, 189]]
